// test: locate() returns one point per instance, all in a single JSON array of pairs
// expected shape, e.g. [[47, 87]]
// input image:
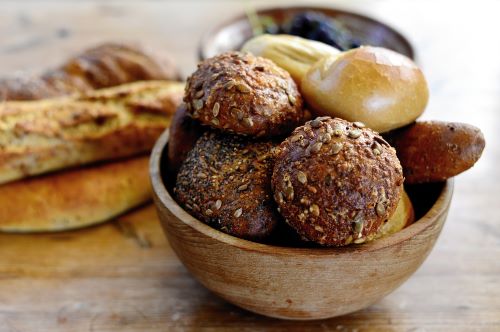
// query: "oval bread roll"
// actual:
[[432, 151], [294, 54], [381, 88], [402, 217], [74, 198]]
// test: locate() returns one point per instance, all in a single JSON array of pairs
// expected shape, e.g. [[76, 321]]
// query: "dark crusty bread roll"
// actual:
[[226, 183], [336, 182], [244, 94], [47, 135], [74, 198], [184, 132], [432, 151], [100, 67]]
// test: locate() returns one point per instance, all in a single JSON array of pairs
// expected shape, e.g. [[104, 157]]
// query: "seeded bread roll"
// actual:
[[432, 151], [248, 95], [226, 183], [46, 135], [336, 182], [184, 132], [100, 67]]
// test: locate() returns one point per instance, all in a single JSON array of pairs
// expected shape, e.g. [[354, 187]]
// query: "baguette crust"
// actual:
[[74, 198], [47, 135], [432, 151], [106, 65]]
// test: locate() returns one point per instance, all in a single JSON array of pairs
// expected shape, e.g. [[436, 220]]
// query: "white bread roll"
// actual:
[[381, 88], [294, 54]]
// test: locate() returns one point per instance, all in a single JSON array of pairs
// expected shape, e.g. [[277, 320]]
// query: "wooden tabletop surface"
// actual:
[[123, 276]]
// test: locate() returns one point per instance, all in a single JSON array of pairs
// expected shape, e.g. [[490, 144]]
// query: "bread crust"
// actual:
[[226, 183], [41, 136], [74, 198], [106, 65], [432, 151], [335, 182], [184, 132], [244, 94]]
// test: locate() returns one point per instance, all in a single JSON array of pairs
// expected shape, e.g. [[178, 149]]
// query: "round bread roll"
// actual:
[[225, 182], [402, 217], [248, 95], [379, 87], [294, 54], [336, 182], [184, 132]]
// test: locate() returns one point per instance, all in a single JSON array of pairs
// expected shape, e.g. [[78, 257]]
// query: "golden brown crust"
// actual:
[[432, 151], [100, 67], [244, 94], [184, 132], [335, 182], [41, 136], [403, 217], [74, 198], [226, 182]]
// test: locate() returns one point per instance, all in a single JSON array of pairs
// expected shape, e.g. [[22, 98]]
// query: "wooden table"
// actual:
[[122, 276]]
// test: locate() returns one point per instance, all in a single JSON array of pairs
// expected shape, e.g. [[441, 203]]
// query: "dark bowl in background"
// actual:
[[231, 34]]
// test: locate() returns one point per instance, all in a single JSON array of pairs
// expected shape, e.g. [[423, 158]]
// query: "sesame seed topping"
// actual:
[[380, 209], [238, 213], [302, 177], [354, 133], [358, 124], [215, 109], [336, 147], [215, 121], [314, 209], [218, 204], [197, 104]]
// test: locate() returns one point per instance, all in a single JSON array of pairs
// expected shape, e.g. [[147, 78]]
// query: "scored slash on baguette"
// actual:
[[42, 136]]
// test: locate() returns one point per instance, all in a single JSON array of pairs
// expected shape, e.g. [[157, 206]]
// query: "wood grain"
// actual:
[[122, 276]]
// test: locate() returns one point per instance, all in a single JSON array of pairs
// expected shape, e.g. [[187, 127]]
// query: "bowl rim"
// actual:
[[163, 196], [262, 10]]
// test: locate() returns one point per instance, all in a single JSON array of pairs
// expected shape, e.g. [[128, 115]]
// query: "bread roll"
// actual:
[[74, 198], [335, 182], [41, 136], [432, 151], [294, 54], [402, 217], [100, 67], [381, 88]]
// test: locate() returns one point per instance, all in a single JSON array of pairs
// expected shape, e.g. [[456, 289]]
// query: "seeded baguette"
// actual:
[[104, 66], [74, 198], [432, 151], [42, 136]]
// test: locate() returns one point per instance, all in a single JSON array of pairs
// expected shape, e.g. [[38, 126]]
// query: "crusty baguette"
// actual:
[[432, 151], [100, 67], [74, 198], [46, 135]]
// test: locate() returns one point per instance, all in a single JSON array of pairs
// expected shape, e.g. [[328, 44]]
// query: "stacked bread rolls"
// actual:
[[333, 180]]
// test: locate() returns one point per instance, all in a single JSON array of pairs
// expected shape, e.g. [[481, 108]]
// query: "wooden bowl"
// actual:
[[231, 35], [298, 283]]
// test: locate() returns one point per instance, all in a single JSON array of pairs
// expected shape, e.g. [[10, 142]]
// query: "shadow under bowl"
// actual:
[[298, 283]]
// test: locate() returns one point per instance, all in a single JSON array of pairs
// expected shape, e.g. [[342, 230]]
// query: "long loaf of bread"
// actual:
[[104, 66], [46, 135], [74, 198]]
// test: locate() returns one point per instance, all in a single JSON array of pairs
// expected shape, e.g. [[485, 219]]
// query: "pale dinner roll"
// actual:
[[402, 217], [294, 54], [381, 88]]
